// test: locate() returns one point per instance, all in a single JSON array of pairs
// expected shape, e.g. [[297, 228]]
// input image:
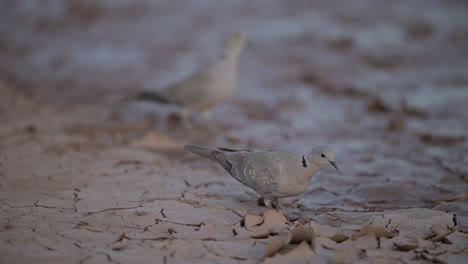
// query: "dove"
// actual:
[[207, 87], [273, 174]]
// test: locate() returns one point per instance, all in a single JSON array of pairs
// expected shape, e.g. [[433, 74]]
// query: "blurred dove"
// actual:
[[211, 85], [273, 173]]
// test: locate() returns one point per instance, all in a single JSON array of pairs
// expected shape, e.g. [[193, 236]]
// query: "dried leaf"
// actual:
[[441, 234], [278, 242], [207, 225], [378, 232], [120, 245], [261, 235], [382, 232], [406, 244], [338, 238], [303, 251], [365, 231], [274, 220], [426, 256], [367, 242], [270, 221], [438, 229], [251, 220], [326, 230], [300, 254], [350, 254], [301, 233]]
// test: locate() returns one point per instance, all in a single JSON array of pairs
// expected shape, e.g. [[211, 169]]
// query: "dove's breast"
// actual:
[[224, 76], [296, 178]]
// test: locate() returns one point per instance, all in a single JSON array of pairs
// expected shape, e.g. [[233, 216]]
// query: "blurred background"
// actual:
[[303, 57]]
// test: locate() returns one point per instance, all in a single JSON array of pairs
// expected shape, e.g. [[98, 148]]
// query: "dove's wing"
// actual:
[[191, 90], [258, 170], [271, 173], [249, 150]]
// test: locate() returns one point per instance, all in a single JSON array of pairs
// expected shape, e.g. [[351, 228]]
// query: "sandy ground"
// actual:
[[89, 177]]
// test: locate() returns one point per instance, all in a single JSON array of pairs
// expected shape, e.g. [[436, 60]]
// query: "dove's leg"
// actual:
[[271, 204], [276, 204], [261, 201]]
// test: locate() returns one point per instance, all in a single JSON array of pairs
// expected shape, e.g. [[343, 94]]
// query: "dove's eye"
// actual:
[[323, 156]]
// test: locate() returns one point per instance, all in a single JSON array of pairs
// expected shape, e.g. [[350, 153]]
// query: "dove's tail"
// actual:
[[234, 150], [152, 96], [212, 154]]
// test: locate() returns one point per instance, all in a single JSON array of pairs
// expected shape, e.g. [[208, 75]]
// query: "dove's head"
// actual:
[[322, 156], [234, 43]]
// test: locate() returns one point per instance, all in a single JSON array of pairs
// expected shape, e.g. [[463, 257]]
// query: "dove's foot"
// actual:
[[275, 203], [271, 204], [261, 202]]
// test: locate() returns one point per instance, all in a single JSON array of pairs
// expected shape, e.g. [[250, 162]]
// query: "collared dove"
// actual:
[[273, 173], [202, 90]]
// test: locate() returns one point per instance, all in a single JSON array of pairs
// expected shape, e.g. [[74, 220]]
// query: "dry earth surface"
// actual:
[[87, 176]]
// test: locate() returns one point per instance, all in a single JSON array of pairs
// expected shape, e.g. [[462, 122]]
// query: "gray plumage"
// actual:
[[273, 173], [208, 86]]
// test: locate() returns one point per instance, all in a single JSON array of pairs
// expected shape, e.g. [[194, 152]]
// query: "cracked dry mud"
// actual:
[[89, 177]]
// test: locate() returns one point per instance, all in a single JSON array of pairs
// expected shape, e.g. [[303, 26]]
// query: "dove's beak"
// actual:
[[334, 165]]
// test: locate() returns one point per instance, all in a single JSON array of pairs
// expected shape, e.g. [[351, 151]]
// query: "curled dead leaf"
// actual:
[[406, 244], [365, 231], [300, 254], [438, 229], [251, 220], [338, 238], [378, 232], [277, 243], [270, 221], [207, 225], [262, 235], [350, 254], [274, 219], [301, 233], [430, 258], [382, 232], [440, 234], [120, 245]]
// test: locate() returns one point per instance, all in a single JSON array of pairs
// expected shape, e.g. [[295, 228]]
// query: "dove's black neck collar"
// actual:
[[304, 162]]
